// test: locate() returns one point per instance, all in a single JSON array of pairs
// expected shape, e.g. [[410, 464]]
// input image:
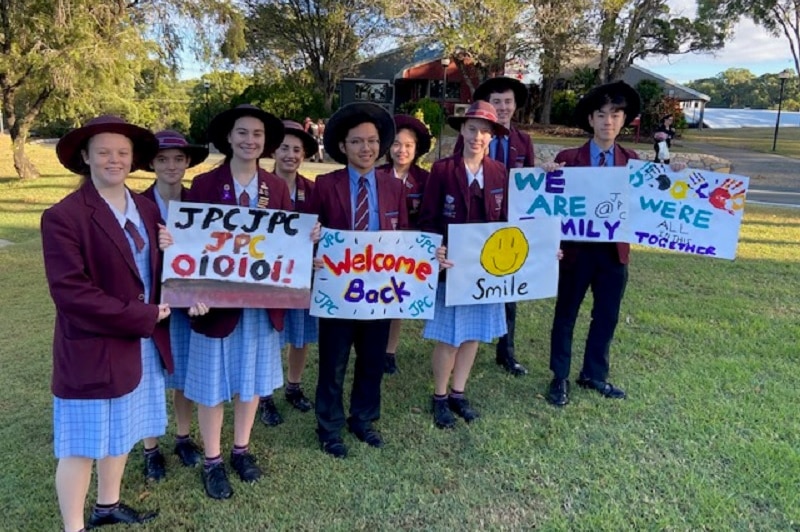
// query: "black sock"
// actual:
[[456, 394], [292, 386], [105, 509]]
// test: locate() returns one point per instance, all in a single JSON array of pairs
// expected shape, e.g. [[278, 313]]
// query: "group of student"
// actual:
[[116, 349]]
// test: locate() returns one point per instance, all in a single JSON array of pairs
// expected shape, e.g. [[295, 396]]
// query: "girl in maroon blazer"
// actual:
[[412, 140], [175, 155], [300, 328], [111, 342], [464, 188]]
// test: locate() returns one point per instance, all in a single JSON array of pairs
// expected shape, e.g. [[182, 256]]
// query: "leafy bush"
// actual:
[[563, 108], [431, 110]]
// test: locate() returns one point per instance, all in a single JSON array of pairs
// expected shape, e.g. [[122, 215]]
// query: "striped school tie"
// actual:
[[138, 241], [602, 159], [361, 222]]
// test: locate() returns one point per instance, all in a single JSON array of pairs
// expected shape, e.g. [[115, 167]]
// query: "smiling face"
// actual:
[[110, 158], [247, 138], [477, 135], [504, 252], [505, 105], [170, 166], [289, 155], [607, 122], [362, 146], [404, 148]]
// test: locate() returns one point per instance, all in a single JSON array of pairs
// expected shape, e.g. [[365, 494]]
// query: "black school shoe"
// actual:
[[245, 465], [462, 409], [189, 453], [298, 400], [511, 365], [268, 412], [334, 447], [443, 417], [215, 481], [121, 514], [155, 467], [604, 388]]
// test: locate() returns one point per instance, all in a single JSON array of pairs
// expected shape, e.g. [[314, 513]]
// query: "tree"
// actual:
[[323, 36], [487, 32], [83, 54], [776, 16], [212, 94], [634, 29]]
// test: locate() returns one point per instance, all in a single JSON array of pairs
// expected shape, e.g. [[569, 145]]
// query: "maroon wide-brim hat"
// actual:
[[69, 146], [222, 124], [350, 116], [502, 84], [310, 144], [172, 140], [484, 111], [597, 97], [420, 131]]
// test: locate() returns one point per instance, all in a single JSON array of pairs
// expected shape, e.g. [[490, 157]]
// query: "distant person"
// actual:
[[663, 139], [318, 138]]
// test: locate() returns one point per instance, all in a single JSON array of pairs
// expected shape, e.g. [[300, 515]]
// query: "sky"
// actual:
[[751, 47]]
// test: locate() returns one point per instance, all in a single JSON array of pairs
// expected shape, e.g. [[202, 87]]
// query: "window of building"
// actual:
[[373, 92], [453, 90]]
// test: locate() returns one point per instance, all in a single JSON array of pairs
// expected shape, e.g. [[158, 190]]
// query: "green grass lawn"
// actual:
[[709, 438], [750, 138]]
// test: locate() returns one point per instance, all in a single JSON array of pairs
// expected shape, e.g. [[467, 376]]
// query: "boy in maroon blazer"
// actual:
[[361, 199], [603, 112], [514, 150]]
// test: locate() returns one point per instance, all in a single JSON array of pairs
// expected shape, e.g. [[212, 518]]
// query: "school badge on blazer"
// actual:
[[393, 217], [449, 206], [226, 193], [300, 195], [263, 196], [498, 198]]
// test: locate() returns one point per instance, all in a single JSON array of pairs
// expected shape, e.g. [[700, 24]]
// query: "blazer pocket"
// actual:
[[85, 364]]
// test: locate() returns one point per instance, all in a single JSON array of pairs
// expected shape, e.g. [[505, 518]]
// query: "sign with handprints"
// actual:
[[503, 261], [370, 275], [237, 257], [694, 211], [592, 203]]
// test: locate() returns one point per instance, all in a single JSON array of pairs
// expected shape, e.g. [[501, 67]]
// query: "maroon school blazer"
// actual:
[[211, 188], [520, 149], [304, 189], [101, 314], [582, 157], [446, 199], [331, 201], [413, 189], [150, 193]]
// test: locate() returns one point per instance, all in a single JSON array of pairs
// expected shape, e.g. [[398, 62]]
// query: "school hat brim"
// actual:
[[310, 144], [597, 97], [350, 116], [502, 84], [222, 124]]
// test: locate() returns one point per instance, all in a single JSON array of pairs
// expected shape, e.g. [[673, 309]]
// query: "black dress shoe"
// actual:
[[369, 436], [297, 399], [245, 465], [334, 447], [511, 365], [215, 480], [189, 453], [155, 468], [463, 409], [442, 415], [604, 388], [558, 392], [268, 412], [121, 514], [390, 364]]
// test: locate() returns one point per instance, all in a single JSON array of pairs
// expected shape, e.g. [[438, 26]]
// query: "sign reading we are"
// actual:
[[502, 262], [592, 203], [376, 275], [237, 257]]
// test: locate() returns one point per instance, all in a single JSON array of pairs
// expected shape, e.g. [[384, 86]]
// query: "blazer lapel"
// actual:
[[107, 222], [152, 235], [342, 187], [225, 189], [584, 156], [461, 182]]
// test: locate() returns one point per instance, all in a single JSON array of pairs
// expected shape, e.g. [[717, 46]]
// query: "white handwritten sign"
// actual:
[[694, 211], [592, 203], [368, 275], [237, 257], [503, 261]]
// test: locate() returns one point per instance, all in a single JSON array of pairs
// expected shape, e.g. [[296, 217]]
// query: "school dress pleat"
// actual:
[[300, 328], [179, 332], [97, 428]]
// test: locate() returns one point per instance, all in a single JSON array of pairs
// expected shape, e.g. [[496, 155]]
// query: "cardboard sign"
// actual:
[[369, 275], [237, 257], [501, 262], [695, 211], [592, 203]]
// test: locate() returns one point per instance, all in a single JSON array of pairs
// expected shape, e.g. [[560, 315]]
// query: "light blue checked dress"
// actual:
[[97, 428], [300, 328], [246, 363], [179, 328], [462, 323]]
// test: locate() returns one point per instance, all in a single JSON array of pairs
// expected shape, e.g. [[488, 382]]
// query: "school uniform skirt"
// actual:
[[97, 428], [179, 332], [463, 323], [246, 363], [300, 328]]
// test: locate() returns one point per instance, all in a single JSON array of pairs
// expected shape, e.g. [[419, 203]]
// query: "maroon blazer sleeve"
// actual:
[[76, 296], [432, 199]]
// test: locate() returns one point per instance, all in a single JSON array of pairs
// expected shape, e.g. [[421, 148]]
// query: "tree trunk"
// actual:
[[23, 165], [548, 86]]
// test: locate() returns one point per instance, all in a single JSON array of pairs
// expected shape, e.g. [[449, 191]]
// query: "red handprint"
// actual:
[[729, 196]]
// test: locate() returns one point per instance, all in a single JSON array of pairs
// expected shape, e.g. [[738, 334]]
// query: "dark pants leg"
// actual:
[[370, 346], [608, 287], [573, 282], [505, 345], [335, 339]]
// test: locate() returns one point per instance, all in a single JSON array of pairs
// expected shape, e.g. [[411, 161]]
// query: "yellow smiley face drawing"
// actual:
[[504, 252]]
